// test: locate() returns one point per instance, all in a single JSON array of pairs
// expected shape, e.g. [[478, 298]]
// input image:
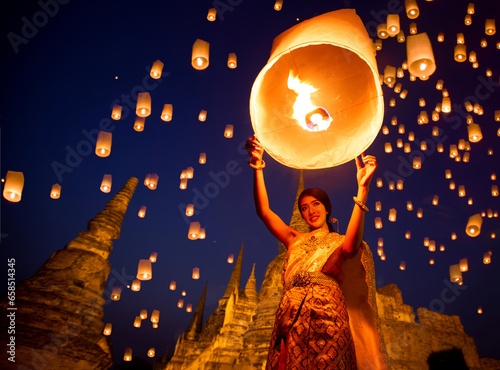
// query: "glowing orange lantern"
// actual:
[[180, 304], [392, 214], [143, 108], [413, 29], [446, 105], [173, 285], [212, 13], [202, 234], [107, 329], [116, 293], [203, 158], [392, 24], [382, 31], [228, 132], [479, 310], [199, 56], [139, 124], [183, 293], [464, 266], [189, 307], [144, 314], [460, 53], [409, 205], [189, 210], [420, 55], [435, 199], [378, 223], [166, 114], [455, 274], [278, 5], [202, 116], [144, 270], [408, 234], [189, 172], [127, 356], [318, 112], [183, 184], [489, 27], [412, 10], [474, 225], [453, 236], [155, 316], [440, 37], [401, 36], [389, 74], [494, 190], [116, 113], [230, 258], [388, 148], [417, 162], [153, 257], [142, 212], [487, 258], [194, 230], [136, 285], [379, 182], [468, 20], [55, 192], [153, 181], [156, 70], [151, 352], [474, 132], [196, 273], [137, 322], [231, 61], [103, 144], [402, 265], [420, 213]]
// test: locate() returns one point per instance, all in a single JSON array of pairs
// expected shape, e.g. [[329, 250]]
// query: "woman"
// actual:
[[318, 326]]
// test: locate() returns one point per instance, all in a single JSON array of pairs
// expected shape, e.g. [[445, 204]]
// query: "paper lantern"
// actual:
[[116, 293], [231, 61], [446, 105], [320, 85], [417, 162], [464, 266], [156, 70], [391, 185], [440, 147], [230, 258], [136, 285], [435, 200], [379, 182], [388, 147], [401, 36], [420, 55], [137, 322], [183, 184], [377, 44], [378, 223], [401, 128], [127, 356], [468, 20], [153, 257], [409, 205], [199, 56], [470, 201], [183, 293], [189, 172], [139, 124], [155, 316], [196, 273], [403, 94], [453, 151], [143, 314], [392, 214], [151, 352], [494, 190], [155, 325], [116, 113], [167, 113], [107, 329], [461, 191], [202, 234], [203, 158], [392, 102], [474, 225], [202, 116], [382, 31], [453, 236], [402, 265], [408, 234], [423, 145], [189, 307], [389, 74], [413, 28], [455, 274], [435, 131], [479, 310], [440, 37], [483, 43], [397, 88], [103, 144], [426, 241], [493, 235], [460, 53], [420, 213], [493, 176], [228, 131], [407, 148], [439, 85], [460, 38], [441, 248], [489, 72], [278, 5], [472, 56], [142, 212], [452, 185], [474, 132], [487, 258], [55, 192], [173, 285], [144, 270], [412, 10], [189, 210], [212, 14], [153, 181], [497, 115], [194, 230], [431, 261], [399, 143], [399, 184], [147, 179], [470, 8], [143, 107], [180, 304], [489, 27]]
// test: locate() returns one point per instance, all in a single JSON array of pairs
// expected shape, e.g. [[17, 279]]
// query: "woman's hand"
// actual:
[[254, 149], [365, 174]]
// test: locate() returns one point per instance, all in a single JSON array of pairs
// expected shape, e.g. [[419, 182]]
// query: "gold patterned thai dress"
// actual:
[[327, 315]]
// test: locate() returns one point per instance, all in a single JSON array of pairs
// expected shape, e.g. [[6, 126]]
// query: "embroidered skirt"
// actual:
[[311, 330]]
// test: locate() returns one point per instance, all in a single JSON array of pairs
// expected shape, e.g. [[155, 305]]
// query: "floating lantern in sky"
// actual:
[[189, 172], [194, 230], [143, 107], [420, 213], [180, 304], [103, 144], [420, 55], [401, 129], [167, 112], [413, 28], [401, 36], [378, 223], [412, 10], [455, 274], [494, 190], [340, 86], [472, 57], [127, 356], [151, 352], [392, 214], [382, 31], [202, 116], [136, 285], [380, 242], [203, 158], [489, 27], [144, 314], [453, 236], [391, 185], [55, 192], [116, 293], [464, 266], [399, 184], [153, 181], [230, 258], [199, 56], [144, 270], [153, 256], [397, 88], [487, 258], [156, 70], [468, 20], [116, 113], [137, 322], [173, 285], [231, 61], [389, 74], [460, 39], [460, 53], [379, 182], [408, 234], [202, 234], [399, 143], [474, 225], [470, 8], [212, 13], [278, 5], [183, 293], [446, 105], [409, 205], [484, 43], [183, 184], [402, 265], [189, 307], [189, 210], [474, 132], [155, 316], [155, 325], [107, 329], [228, 131], [139, 124], [440, 37], [403, 94], [407, 148], [417, 162], [388, 147], [196, 273], [142, 212], [435, 200]]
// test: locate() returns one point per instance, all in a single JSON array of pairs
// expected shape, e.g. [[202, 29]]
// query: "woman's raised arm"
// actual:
[[274, 224]]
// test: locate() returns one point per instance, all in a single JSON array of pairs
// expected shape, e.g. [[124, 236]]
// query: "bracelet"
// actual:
[[360, 204], [256, 166]]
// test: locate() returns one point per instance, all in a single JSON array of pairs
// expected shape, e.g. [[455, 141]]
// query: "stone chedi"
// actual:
[[59, 316]]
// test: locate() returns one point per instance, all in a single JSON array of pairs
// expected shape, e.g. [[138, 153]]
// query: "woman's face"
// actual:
[[313, 212]]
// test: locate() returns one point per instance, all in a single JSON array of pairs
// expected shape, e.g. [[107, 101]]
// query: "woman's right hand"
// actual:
[[254, 149]]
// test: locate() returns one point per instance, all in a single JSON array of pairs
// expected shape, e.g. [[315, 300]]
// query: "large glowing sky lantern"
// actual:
[[318, 103]]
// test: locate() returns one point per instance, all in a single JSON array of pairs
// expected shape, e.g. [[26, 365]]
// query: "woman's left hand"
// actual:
[[365, 174]]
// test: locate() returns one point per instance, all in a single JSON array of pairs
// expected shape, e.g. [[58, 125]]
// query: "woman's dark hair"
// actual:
[[323, 198]]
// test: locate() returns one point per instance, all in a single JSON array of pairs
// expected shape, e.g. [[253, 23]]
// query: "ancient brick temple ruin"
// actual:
[[237, 334], [59, 320]]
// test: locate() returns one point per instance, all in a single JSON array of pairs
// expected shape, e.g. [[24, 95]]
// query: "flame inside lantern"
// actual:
[[309, 117]]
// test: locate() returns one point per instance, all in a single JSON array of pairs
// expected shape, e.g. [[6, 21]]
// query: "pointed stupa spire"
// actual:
[[235, 280], [196, 324], [251, 287], [297, 222]]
